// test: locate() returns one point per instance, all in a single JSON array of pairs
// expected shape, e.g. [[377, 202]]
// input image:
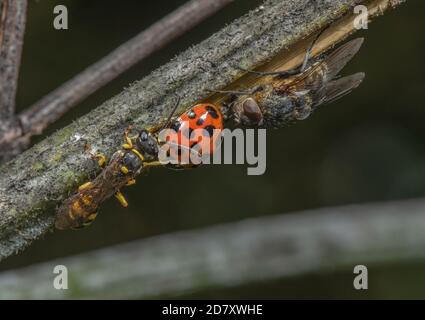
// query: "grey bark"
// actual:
[[229, 255], [32, 186]]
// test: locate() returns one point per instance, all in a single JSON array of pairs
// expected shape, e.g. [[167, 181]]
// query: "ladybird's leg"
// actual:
[[120, 197]]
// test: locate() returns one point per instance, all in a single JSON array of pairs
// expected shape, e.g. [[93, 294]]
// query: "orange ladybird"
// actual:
[[197, 130]]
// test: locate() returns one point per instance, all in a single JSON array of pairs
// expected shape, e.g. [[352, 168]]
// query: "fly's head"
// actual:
[[247, 112]]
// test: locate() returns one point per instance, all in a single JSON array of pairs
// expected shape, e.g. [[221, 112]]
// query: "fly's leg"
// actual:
[[290, 72], [234, 94], [282, 74], [310, 49]]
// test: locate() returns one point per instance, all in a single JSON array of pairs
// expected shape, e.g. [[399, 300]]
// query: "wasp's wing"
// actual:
[[75, 210], [336, 89]]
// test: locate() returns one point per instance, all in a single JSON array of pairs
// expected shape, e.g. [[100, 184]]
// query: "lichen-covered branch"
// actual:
[[32, 186], [234, 254]]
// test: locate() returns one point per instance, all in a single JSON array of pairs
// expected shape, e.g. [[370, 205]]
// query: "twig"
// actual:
[[234, 254], [37, 181], [54, 105], [12, 27]]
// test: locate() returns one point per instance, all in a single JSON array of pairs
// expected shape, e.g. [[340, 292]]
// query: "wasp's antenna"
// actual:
[[171, 114]]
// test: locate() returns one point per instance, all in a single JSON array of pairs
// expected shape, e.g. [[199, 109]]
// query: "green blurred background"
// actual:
[[365, 147]]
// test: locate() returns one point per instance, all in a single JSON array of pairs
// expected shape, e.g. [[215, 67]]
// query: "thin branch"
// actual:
[[234, 254], [54, 105], [12, 27], [36, 182]]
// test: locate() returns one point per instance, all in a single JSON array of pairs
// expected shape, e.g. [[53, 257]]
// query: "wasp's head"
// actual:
[[147, 144]]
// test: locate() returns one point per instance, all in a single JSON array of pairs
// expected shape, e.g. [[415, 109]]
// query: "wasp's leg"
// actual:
[[85, 186], [86, 223], [120, 197], [124, 170], [152, 164], [101, 159], [89, 220], [128, 145], [137, 153], [130, 182]]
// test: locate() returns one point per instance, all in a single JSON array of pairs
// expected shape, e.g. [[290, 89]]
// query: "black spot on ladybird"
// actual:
[[176, 126], [200, 122], [210, 130], [191, 114], [212, 112]]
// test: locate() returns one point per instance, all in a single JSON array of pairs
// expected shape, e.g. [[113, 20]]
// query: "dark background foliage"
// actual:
[[365, 147]]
